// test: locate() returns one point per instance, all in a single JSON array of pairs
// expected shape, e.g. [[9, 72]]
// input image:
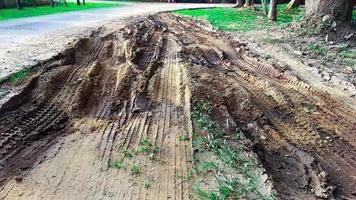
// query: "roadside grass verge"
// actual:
[[15, 77], [12, 13], [242, 19]]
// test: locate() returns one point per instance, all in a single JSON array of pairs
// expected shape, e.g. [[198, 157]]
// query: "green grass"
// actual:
[[146, 183], [354, 15], [233, 19], [183, 138], [317, 49], [136, 169], [229, 154], [19, 75], [12, 13]]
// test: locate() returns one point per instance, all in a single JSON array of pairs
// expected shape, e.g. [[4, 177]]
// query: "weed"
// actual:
[[267, 57], [136, 169], [317, 49], [348, 54], [343, 47], [146, 183], [119, 164], [19, 75], [146, 142], [226, 187], [128, 154], [148, 148], [205, 195], [231, 157], [207, 166], [183, 138]]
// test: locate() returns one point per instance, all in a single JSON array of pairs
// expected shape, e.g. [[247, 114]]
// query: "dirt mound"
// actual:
[[113, 117]]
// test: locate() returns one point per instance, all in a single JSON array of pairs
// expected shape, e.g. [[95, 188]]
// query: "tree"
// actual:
[[2, 4], [272, 15], [19, 4], [248, 3], [78, 2], [264, 8], [240, 3], [340, 9], [293, 4], [34, 3]]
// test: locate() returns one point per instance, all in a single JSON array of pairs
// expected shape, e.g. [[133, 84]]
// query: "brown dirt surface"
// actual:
[[104, 118]]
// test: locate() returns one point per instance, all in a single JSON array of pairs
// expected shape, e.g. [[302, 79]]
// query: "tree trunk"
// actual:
[[65, 3], [294, 4], [264, 8], [2, 4], [34, 4], [272, 15], [83, 2], [248, 3], [240, 3], [78, 2], [341, 9], [19, 4]]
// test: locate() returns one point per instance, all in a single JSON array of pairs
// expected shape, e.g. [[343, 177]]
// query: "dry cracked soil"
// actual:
[[131, 93]]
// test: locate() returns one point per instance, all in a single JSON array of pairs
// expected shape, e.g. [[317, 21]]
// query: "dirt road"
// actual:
[[44, 36], [117, 116]]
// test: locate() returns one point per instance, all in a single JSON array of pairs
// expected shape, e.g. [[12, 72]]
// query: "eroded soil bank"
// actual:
[[115, 117]]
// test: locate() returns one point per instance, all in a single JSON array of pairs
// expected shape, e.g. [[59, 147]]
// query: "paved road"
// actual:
[[24, 41]]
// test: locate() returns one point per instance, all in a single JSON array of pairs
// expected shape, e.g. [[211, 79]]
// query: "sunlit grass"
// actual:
[[11, 13], [242, 19]]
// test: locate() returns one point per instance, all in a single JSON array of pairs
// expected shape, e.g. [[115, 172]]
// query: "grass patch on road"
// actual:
[[243, 19], [12, 13]]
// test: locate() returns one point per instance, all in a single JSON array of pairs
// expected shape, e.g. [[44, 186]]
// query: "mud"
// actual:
[[98, 99]]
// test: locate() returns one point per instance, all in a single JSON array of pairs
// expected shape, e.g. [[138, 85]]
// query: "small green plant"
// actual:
[[148, 148], [317, 49], [146, 142], [146, 183], [136, 169], [19, 75], [205, 195], [226, 187], [183, 138], [267, 57], [343, 47], [118, 164], [128, 154]]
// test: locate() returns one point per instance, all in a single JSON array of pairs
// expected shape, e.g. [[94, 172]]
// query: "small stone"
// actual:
[[326, 18], [349, 69], [18, 178], [322, 174]]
